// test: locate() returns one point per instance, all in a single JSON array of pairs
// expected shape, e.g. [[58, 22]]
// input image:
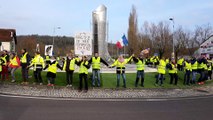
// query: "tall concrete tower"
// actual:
[[99, 28]]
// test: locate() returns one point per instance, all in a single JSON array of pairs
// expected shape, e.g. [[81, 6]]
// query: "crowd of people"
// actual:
[[9, 63]]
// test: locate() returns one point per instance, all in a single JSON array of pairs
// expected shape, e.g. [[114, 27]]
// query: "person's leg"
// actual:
[[161, 79], [13, 74], [39, 77], [124, 79], [35, 73], [49, 81], [80, 81], [157, 78], [199, 80], [98, 77], [93, 77], [175, 76], [71, 77], [85, 82], [142, 78], [210, 75], [171, 78], [137, 79], [188, 77], [118, 79], [68, 77], [185, 77], [52, 81], [193, 77]]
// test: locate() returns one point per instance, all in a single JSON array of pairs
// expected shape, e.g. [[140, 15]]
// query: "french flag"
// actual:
[[122, 42]]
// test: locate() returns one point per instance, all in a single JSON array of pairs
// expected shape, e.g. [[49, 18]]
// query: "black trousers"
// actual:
[[81, 77], [187, 77], [69, 77], [172, 77], [37, 76], [210, 74], [24, 71]]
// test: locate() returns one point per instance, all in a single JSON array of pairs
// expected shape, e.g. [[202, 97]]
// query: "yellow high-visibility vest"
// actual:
[[82, 68], [24, 58], [162, 67], [96, 63], [14, 61], [173, 70], [53, 68], [140, 65]]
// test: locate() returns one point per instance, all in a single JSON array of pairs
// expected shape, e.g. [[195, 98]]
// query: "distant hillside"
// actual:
[[62, 44]]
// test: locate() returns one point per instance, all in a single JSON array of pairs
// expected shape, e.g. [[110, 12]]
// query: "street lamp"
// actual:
[[173, 27], [54, 29]]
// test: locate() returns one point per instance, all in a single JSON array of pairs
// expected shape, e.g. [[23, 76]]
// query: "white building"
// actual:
[[206, 48]]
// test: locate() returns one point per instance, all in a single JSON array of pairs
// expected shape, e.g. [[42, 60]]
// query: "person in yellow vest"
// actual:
[[38, 64], [120, 69], [209, 67], [1, 63], [173, 71], [25, 61], [83, 72], [14, 64], [140, 63], [5, 58], [52, 70], [180, 63], [47, 59], [96, 66], [161, 71], [201, 69], [69, 67], [194, 65], [188, 70]]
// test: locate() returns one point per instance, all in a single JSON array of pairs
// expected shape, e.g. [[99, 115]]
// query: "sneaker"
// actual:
[[40, 83], [70, 85], [48, 84], [13, 81], [52, 85], [202, 83], [34, 83]]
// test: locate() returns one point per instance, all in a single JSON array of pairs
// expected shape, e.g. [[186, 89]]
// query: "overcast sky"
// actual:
[[41, 16]]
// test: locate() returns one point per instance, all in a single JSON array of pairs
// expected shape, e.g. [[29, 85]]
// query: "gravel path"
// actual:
[[63, 92]]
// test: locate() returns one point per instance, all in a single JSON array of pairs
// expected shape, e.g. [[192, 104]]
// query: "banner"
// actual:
[[83, 44], [48, 50]]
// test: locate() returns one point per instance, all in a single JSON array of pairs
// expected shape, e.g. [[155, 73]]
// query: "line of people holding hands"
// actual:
[[191, 67]]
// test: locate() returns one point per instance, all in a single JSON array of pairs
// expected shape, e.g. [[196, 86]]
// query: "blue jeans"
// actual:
[[140, 74], [124, 79], [96, 73], [160, 78], [13, 73], [194, 76]]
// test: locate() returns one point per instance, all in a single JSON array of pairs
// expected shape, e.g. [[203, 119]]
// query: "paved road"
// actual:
[[38, 109]]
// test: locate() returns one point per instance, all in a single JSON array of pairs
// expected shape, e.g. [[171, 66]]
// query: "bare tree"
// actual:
[[133, 32], [201, 33], [160, 36]]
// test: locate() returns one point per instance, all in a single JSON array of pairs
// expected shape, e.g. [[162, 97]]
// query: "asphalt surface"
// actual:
[[200, 108]]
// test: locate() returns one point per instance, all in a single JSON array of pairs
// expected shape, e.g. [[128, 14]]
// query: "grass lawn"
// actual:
[[108, 80]]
